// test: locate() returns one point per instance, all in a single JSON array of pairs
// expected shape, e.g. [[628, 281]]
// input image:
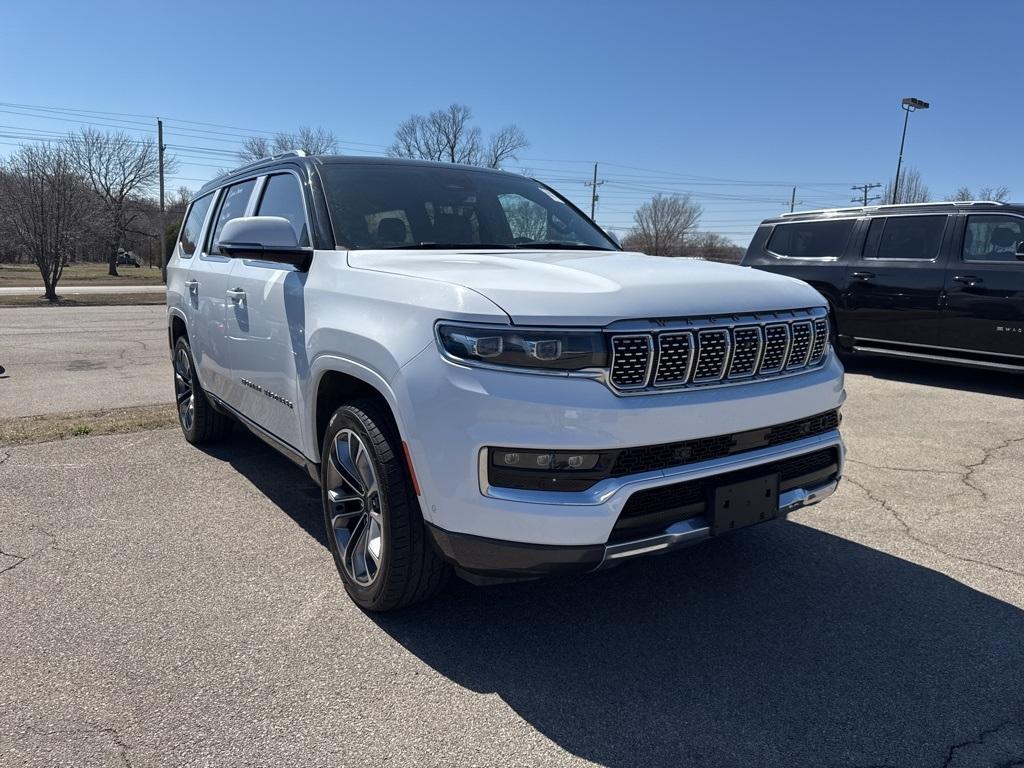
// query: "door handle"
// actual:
[[237, 296], [865, 276], [968, 280]]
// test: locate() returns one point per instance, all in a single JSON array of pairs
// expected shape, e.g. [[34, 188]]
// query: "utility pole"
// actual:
[[163, 219], [792, 200], [593, 191], [864, 189]]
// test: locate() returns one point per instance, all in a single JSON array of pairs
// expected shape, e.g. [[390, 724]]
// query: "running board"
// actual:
[[965, 361]]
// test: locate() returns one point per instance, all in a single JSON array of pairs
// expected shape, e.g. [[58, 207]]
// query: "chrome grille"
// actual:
[[746, 349], [677, 354], [712, 354], [800, 349], [820, 339], [631, 361]]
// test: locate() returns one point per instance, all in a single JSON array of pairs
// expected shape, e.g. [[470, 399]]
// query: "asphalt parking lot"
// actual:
[[162, 605]]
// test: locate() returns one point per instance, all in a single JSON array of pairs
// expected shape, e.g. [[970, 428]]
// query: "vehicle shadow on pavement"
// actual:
[[984, 382], [780, 645]]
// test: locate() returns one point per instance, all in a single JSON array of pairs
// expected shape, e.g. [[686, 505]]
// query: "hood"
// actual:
[[595, 288]]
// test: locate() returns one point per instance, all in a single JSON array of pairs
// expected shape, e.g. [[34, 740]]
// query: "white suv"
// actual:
[[482, 381]]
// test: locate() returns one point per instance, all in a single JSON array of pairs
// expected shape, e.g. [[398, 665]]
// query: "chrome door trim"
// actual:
[[936, 346]]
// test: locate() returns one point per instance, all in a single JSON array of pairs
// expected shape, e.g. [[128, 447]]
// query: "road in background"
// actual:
[[78, 290], [163, 606], [60, 359]]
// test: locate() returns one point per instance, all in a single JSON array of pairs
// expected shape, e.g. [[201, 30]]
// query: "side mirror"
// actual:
[[1020, 250], [267, 238]]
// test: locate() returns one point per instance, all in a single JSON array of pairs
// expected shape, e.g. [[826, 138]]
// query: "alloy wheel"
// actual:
[[183, 389], [355, 507]]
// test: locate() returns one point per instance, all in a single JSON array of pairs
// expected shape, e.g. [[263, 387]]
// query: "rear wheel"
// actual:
[[371, 514], [199, 422]]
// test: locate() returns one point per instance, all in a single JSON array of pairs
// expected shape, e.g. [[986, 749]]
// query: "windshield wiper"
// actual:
[[560, 245], [441, 246]]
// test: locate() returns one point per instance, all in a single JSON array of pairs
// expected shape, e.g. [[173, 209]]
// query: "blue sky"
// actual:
[[734, 102]]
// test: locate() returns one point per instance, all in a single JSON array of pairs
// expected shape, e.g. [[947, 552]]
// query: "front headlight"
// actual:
[[547, 349]]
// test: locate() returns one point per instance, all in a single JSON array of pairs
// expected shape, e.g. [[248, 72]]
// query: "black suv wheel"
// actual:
[[199, 421], [372, 516]]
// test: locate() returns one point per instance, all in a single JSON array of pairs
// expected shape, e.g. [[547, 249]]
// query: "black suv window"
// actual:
[[993, 238], [193, 226], [233, 205], [811, 239], [283, 197], [907, 238]]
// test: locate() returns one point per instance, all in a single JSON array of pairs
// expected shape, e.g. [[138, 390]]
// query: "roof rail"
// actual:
[[256, 163], [887, 206]]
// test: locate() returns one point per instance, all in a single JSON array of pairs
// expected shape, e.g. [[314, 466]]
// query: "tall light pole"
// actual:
[[909, 105]]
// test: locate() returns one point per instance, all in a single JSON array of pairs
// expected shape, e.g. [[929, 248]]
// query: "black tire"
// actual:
[[408, 569], [199, 421]]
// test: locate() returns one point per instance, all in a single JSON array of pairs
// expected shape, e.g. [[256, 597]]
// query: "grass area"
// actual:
[[68, 426], [27, 275], [85, 300]]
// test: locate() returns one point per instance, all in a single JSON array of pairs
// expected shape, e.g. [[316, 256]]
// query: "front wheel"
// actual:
[[371, 514]]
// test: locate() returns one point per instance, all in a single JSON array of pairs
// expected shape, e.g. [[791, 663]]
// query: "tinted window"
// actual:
[[390, 206], [193, 226], [910, 237], [811, 239], [993, 238], [283, 197], [233, 205]]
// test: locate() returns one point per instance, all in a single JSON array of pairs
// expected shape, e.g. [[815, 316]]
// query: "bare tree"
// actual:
[[44, 203], [312, 141], [448, 135], [912, 189], [997, 194], [713, 247], [661, 225], [119, 169]]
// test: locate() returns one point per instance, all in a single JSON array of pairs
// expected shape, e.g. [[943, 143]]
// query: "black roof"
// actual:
[[261, 166]]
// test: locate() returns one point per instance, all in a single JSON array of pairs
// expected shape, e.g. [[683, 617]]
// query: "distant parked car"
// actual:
[[128, 259], [932, 281]]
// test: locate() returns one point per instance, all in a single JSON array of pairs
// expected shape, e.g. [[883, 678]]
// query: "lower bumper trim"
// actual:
[[494, 558]]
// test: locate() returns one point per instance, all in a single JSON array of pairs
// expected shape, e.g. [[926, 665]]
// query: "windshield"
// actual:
[[421, 206]]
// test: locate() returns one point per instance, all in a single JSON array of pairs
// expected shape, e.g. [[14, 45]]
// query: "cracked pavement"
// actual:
[[166, 606], [61, 359]]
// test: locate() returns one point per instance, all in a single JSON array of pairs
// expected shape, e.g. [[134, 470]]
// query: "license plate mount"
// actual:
[[738, 505]]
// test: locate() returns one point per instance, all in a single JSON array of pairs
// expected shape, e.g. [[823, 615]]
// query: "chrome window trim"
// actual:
[[650, 360]]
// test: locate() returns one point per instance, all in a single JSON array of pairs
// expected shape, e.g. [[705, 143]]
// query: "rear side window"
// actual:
[[232, 206], [188, 241], [993, 238], [907, 238], [283, 197], [811, 239]]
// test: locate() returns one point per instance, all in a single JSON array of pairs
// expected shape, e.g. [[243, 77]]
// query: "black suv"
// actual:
[[938, 281]]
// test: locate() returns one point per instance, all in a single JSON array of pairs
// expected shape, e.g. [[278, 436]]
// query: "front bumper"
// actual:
[[452, 413], [492, 558]]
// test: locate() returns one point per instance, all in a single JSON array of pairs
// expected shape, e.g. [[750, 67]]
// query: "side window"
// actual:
[[188, 240], [992, 238], [909, 238], [232, 206], [527, 220], [811, 239], [283, 197]]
